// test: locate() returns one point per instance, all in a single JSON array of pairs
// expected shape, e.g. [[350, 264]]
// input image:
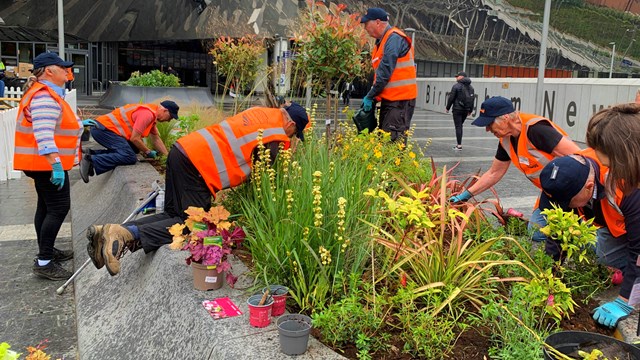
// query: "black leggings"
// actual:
[[458, 121], [53, 207]]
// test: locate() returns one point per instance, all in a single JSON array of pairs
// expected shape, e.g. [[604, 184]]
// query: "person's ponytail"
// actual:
[[32, 79]]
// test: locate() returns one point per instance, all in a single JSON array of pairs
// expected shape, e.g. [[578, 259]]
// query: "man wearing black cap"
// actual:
[[577, 182], [394, 82], [542, 141], [199, 165], [461, 99], [121, 133]]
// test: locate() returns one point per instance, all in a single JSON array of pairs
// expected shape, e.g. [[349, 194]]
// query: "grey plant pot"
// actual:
[[294, 332]]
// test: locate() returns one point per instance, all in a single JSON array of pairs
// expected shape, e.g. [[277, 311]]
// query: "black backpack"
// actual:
[[467, 97]]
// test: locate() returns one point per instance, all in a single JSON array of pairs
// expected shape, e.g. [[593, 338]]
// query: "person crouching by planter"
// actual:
[[121, 133], [577, 182], [199, 165], [47, 138]]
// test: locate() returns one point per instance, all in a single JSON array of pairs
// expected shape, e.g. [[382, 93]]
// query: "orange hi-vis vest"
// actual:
[[65, 135], [402, 84], [528, 159], [222, 152], [70, 74], [120, 120], [610, 204]]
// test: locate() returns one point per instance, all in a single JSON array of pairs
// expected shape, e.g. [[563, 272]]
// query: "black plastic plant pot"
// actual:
[[570, 342]]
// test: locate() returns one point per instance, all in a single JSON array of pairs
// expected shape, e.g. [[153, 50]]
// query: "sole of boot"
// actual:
[[93, 245], [84, 176]]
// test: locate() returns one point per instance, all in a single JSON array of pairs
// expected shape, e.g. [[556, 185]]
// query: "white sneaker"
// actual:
[[457, 148]]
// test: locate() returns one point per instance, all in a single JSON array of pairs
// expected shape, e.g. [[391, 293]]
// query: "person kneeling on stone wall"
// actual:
[[199, 165]]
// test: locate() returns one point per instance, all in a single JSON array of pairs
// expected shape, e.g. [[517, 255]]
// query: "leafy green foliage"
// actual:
[[574, 234], [154, 78], [550, 293]]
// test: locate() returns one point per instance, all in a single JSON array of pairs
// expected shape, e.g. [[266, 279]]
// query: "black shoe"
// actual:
[[62, 255], [51, 271], [86, 167]]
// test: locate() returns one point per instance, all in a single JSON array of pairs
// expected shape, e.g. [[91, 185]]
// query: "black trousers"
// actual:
[[458, 121], [184, 187], [395, 118], [53, 206]]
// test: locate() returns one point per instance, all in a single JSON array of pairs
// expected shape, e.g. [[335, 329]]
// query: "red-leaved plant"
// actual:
[[209, 238]]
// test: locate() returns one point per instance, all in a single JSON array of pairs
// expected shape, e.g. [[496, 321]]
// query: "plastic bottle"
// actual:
[[160, 202]]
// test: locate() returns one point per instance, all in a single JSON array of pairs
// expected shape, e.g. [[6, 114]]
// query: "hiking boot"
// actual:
[[116, 240], [62, 255], [86, 167], [51, 271], [94, 247]]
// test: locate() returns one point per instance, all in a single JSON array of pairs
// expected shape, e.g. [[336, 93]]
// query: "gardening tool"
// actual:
[[138, 209]]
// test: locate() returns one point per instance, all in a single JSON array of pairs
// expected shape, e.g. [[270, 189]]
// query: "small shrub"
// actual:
[[155, 78]]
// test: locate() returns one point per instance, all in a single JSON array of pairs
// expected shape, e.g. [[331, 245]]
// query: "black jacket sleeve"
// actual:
[[630, 207]]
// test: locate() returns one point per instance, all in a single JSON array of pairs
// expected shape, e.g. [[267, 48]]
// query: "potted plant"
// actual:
[[209, 238]]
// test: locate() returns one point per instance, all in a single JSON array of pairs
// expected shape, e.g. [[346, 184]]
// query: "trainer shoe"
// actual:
[[116, 240], [86, 167], [457, 148], [62, 255], [94, 247], [51, 271]]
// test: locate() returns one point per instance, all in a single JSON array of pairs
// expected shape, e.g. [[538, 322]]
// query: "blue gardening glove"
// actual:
[[464, 196], [57, 175], [367, 103], [610, 313], [89, 122], [152, 154]]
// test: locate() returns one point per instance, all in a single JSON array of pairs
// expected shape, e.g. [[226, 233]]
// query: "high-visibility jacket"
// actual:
[[528, 158], [66, 135], [222, 152], [610, 204], [120, 120], [70, 74], [402, 84]]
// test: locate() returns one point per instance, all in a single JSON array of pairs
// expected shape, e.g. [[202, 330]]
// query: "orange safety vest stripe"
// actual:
[[120, 120], [402, 83], [610, 204], [528, 158], [65, 135], [222, 152]]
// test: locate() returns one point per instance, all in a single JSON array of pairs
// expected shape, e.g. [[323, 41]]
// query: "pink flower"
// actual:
[[550, 301]]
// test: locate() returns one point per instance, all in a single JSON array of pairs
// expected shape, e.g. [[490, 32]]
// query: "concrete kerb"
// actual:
[[151, 310]]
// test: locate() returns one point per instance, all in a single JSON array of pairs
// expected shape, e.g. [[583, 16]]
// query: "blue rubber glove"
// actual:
[[464, 196], [152, 154], [57, 175], [89, 122], [610, 313], [367, 103]]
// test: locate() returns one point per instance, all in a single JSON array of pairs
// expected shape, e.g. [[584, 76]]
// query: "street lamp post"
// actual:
[[413, 35], [60, 29], [542, 61], [613, 55], [466, 47]]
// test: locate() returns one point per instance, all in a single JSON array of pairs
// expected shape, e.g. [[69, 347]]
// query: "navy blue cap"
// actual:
[[375, 14], [562, 179], [299, 116], [172, 107], [461, 73], [48, 59], [491, 109]]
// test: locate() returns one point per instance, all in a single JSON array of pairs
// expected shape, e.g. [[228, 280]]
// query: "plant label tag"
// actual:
[[327, 122], [211, 279], [198, 226], [212, 241], [634, 297]]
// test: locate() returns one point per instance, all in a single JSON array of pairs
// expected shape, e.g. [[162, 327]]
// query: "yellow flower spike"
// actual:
[[412, 155], [397, 162]]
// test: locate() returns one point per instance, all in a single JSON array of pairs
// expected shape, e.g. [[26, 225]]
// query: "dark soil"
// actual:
[[582, 320]]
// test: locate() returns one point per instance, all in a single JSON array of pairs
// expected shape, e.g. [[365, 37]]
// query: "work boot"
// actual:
[[94, 247], [51, 271], [62, 255], [86, 167], [116, 240]]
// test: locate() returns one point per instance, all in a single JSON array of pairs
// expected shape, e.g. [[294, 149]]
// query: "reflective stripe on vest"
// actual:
[[124, 125], [117, 124], [402, 84], [528, 159]]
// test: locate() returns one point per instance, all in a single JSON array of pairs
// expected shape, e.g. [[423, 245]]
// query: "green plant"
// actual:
[[549, 293], [574, 234], [154, 78], [595, 354]]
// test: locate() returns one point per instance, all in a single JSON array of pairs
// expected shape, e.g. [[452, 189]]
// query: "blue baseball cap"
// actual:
[[561, 180], [375, 14], [299, 115], [48, 59], [172, 107], [491, 109]]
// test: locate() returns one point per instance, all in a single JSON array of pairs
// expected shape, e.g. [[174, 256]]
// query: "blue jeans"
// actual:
[[536, 222], [1, 88], [612, 251], [119, 151]]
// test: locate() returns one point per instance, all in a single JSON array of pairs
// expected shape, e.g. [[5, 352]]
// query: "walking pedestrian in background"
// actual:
[[460, 102]]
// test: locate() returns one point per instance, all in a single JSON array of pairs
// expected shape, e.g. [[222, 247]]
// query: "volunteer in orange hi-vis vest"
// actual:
[[199, 164], [70, 79], [47, 140], [394, 83], [577, 182], [526, 140], [121, 133]]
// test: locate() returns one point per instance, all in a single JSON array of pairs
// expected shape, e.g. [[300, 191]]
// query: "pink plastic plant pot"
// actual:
[[279, 294], [259, 314]]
